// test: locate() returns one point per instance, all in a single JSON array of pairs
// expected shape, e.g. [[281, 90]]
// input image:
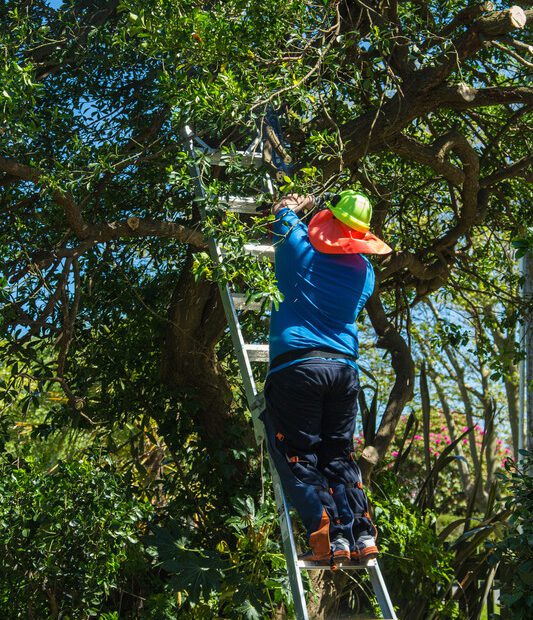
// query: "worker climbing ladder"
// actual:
[[234, 303]]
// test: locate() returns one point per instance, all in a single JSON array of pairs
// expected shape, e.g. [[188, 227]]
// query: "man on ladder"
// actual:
[[312, 385]]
